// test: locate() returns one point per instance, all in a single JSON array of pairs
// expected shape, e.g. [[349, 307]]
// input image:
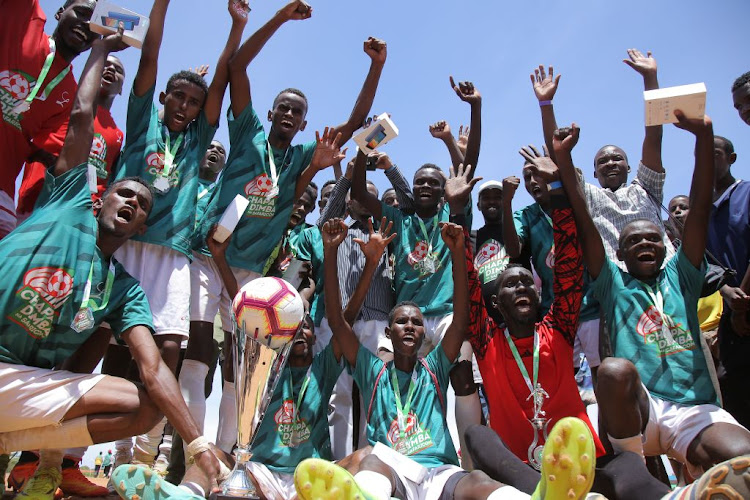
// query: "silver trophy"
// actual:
[[258, 364]]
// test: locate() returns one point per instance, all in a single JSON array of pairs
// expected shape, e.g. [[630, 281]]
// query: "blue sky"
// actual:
[[494, 44]]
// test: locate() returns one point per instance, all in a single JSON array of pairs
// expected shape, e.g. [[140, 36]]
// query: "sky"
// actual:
[[496, 45]]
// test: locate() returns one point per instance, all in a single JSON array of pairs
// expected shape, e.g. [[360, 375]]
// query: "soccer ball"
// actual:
[[269, 310]]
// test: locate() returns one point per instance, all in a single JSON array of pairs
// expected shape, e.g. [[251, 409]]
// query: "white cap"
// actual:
[[490, 185]]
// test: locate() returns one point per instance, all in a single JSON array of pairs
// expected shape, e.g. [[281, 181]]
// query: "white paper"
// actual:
[[377, 134], [107, 16], [661, 103]]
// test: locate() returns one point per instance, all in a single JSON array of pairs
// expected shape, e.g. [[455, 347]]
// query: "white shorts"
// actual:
[[37, 397], [672, 427], [208, 295], [165, 278], [274, 485], [587, 341], [7, 214], [431, 487]]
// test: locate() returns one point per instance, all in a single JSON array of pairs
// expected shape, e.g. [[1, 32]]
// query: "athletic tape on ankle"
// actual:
[[197, 446]]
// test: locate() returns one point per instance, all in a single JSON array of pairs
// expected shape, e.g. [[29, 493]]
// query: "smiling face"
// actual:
[[611, 167], [517, 297], [642, 249], [113, 77], [303, 343], [182, 104], [428, 188], [741, 100], [535, 185], [406, 330], [300, 209], [490, 204], [72, 34], [213, 161], [124, 209], [287, 116]]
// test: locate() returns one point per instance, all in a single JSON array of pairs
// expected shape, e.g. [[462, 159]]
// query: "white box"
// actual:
[[107, 16], [231, 218], [377, 134], [661, 103]]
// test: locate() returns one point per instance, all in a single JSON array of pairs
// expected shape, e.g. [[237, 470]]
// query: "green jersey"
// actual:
[[310, 248], [148, 143], [294, 429], [45, 263], [205, 188], [655, 325], [424, 436], [249, 172], [423, 266]]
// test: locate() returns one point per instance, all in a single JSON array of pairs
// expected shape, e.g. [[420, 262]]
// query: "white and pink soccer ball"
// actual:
[[270, 310]]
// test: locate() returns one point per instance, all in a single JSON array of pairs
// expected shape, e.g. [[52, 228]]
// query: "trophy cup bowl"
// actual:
[[268, 314]]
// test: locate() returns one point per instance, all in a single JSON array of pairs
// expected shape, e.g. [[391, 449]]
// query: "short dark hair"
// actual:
[[291, 90], [139, 180], [386, 192], [187, 76], [619, 238], [313, 185], [328, 183], [313, 192], [728, 146], [434, 167], [377, 191], [403, 303], [741, 81]]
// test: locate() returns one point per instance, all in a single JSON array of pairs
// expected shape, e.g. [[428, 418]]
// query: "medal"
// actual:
[[21, 107], [91, 178], [161, 181], [274, 191], [161, 184], [83, 320], [430, 262]]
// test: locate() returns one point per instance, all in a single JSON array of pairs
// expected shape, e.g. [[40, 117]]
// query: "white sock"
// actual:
[[193, 388], [50, 459], [468, 412], [376, 485], [226, 433], [123, 452], [508, 493], [193, 489], [632, 443], [75, 454], [147, 445], [165, 448], [73, 432]]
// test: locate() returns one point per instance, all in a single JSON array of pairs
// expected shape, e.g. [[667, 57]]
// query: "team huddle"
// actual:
[[552, 353]]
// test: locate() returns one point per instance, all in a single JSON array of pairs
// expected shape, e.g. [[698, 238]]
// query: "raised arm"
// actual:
[[646, 67], [453, 236], [238, 10], [695, 232], [545, 87], [510, 236], [334, 231], [359, 187], [145, 78], [376, 49], [564, 141], [373, 250], [80, 134], [239, 90], [401, 187], [326, 154], [467, 93], [442, 131]]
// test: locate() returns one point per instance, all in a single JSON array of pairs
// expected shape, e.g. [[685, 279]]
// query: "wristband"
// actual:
[[554, 185], [545, 103], [196, 447]]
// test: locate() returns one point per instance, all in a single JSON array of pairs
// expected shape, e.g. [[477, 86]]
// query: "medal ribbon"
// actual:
[[203, 193], [531, 384], [430, 237], [403, 411], [272, 165], [87, 301], [169, 154], [301, 394], [658, 300], [43, 75]]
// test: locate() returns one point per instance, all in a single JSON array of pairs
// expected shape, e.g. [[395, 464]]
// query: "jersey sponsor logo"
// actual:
[[98, 155], [14, 87], [290, 433], [491, 260], [44, 291], [667, 336], [155, 162], [261, 205], [424, 262], [416, 437]]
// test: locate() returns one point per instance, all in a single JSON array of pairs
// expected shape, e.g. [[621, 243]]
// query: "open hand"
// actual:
[[441, 130], [296, 10], [378, 241], [453, 236], [201, 70], [510, 186], [545, 84], [466, 92], [695, 126], [542, 165], [334, 231], [459, 185], [463, 138], [238, 10], [327, 150], [376, 49], [644, 65]]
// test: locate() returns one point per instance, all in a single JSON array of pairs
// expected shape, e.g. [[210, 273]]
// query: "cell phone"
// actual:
[[370, 163]]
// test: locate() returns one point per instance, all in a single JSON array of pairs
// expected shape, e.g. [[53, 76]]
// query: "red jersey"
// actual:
[[507, 391], [105, 149], [23, 49]]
